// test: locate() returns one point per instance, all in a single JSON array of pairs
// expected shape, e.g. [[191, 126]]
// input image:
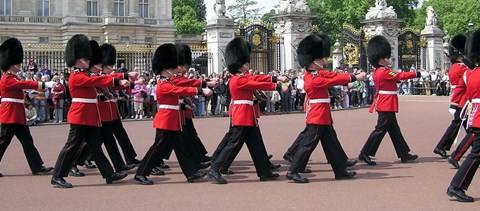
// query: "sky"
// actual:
[[266, 4]]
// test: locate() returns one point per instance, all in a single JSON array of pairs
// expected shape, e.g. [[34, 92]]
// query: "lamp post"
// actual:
[[470, 27]]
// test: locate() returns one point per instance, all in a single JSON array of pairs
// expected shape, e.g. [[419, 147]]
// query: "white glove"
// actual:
[[49, 84], [452, 111], [207, 91], [32, 94], [424, 74]]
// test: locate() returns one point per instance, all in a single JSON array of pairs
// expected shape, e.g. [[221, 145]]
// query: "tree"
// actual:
[[189, 16], [185, 21], [453, 19], [267, 16], [244, 10]]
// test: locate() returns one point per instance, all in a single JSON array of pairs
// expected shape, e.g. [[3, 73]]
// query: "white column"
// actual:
[[133, 8], [434, 37], [220, 31]]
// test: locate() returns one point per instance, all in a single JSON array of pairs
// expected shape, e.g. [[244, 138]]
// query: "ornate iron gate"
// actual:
[[408, 49], [353, 48], [265, 54]]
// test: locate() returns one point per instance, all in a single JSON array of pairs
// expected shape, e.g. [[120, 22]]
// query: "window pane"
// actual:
[[40, 8], [115, 9], [2, 7], [8, 9], [46, 11], [95, 11], [121, 10]]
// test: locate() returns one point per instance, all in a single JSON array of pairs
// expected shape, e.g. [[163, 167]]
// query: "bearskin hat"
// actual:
[[11, 53], [457, 47], [109, 54], [180, 54], [472, 48], [378, 48], [165, 57], [237, 53], [78, 47], [188, 54], [96, 53], [313, 47]]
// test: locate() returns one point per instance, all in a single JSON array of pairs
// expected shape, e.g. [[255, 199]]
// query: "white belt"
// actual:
[[172, 107], [13, 100], [387, 92], [323, 100], [113, 100], [476, 100], [84, 100], [453, 87], [246, 102]]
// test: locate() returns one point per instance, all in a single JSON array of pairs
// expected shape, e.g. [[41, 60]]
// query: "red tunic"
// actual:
[[82, 88], [183, 81], [242, 87], [456, 76], [317, 99], [168, 116], [11, 89], [105, 107], [386, 98], [473, 95]]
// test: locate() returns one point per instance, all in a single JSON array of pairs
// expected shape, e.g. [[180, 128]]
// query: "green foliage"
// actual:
[[266, 17], [244, 10], [189, 16], [453, 15], [185, 21]]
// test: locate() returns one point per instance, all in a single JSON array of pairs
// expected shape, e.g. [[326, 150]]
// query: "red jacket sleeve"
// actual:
[[391, 75], [21, 84], [182, 81], [246, 83], [93, 81], [339, 79], [168, 89]]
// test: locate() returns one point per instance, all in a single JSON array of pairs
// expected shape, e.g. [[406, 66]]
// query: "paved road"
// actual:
[[390, 185]]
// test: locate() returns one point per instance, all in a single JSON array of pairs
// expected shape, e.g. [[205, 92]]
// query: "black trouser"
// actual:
[[22, 132], [296, 144], [123, 140], [465, 173], [165, 140], [462, 148], [223, 142], [330, 144], [387, 122], [195, 140], [252, 137], [190, 148], [450, 134], [76, 137], [106, 137]]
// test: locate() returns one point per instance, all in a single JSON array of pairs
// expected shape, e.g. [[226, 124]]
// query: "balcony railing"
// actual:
[[87, 19]]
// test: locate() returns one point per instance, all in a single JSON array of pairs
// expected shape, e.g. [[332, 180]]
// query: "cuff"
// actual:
[[419, 74], [41, 85], [125, 76], [204, 84], [274, 79], [353, 78], [199, 91]]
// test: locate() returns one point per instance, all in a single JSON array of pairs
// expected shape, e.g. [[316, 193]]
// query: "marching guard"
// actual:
[[313, 52], [12, 109], [456, 73], [83, 115], [244, 122], [167, 121], [386, 102], [462, 179]]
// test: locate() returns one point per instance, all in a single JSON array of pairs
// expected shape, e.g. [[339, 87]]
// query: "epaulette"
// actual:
[[462, 64], [315, 73], [163, 79], [240, 74]]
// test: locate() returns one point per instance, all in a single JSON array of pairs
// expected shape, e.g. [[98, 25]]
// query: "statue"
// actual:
[[431, 17], [380, 11], [289, 6], [220, 8]]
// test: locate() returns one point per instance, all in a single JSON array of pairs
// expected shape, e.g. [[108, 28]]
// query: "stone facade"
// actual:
[[64, 18]]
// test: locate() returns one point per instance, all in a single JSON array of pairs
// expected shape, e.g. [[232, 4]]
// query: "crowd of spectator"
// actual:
[[139, 102]]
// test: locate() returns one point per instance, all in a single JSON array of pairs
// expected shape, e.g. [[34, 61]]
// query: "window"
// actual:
[[118, 7], [124, 40], [43, 40], [92, 8], [143, 7], [5, 7], [43, 8], [148, 40]]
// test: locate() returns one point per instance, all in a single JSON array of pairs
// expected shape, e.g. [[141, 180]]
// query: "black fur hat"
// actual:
[[237, 53], [97, 56], [109, 54], [188, 54], [313, 47], [378, 48], [180, 54], [78, 47], [472, 48], [456, 47], [11, 53], [165, 58]]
